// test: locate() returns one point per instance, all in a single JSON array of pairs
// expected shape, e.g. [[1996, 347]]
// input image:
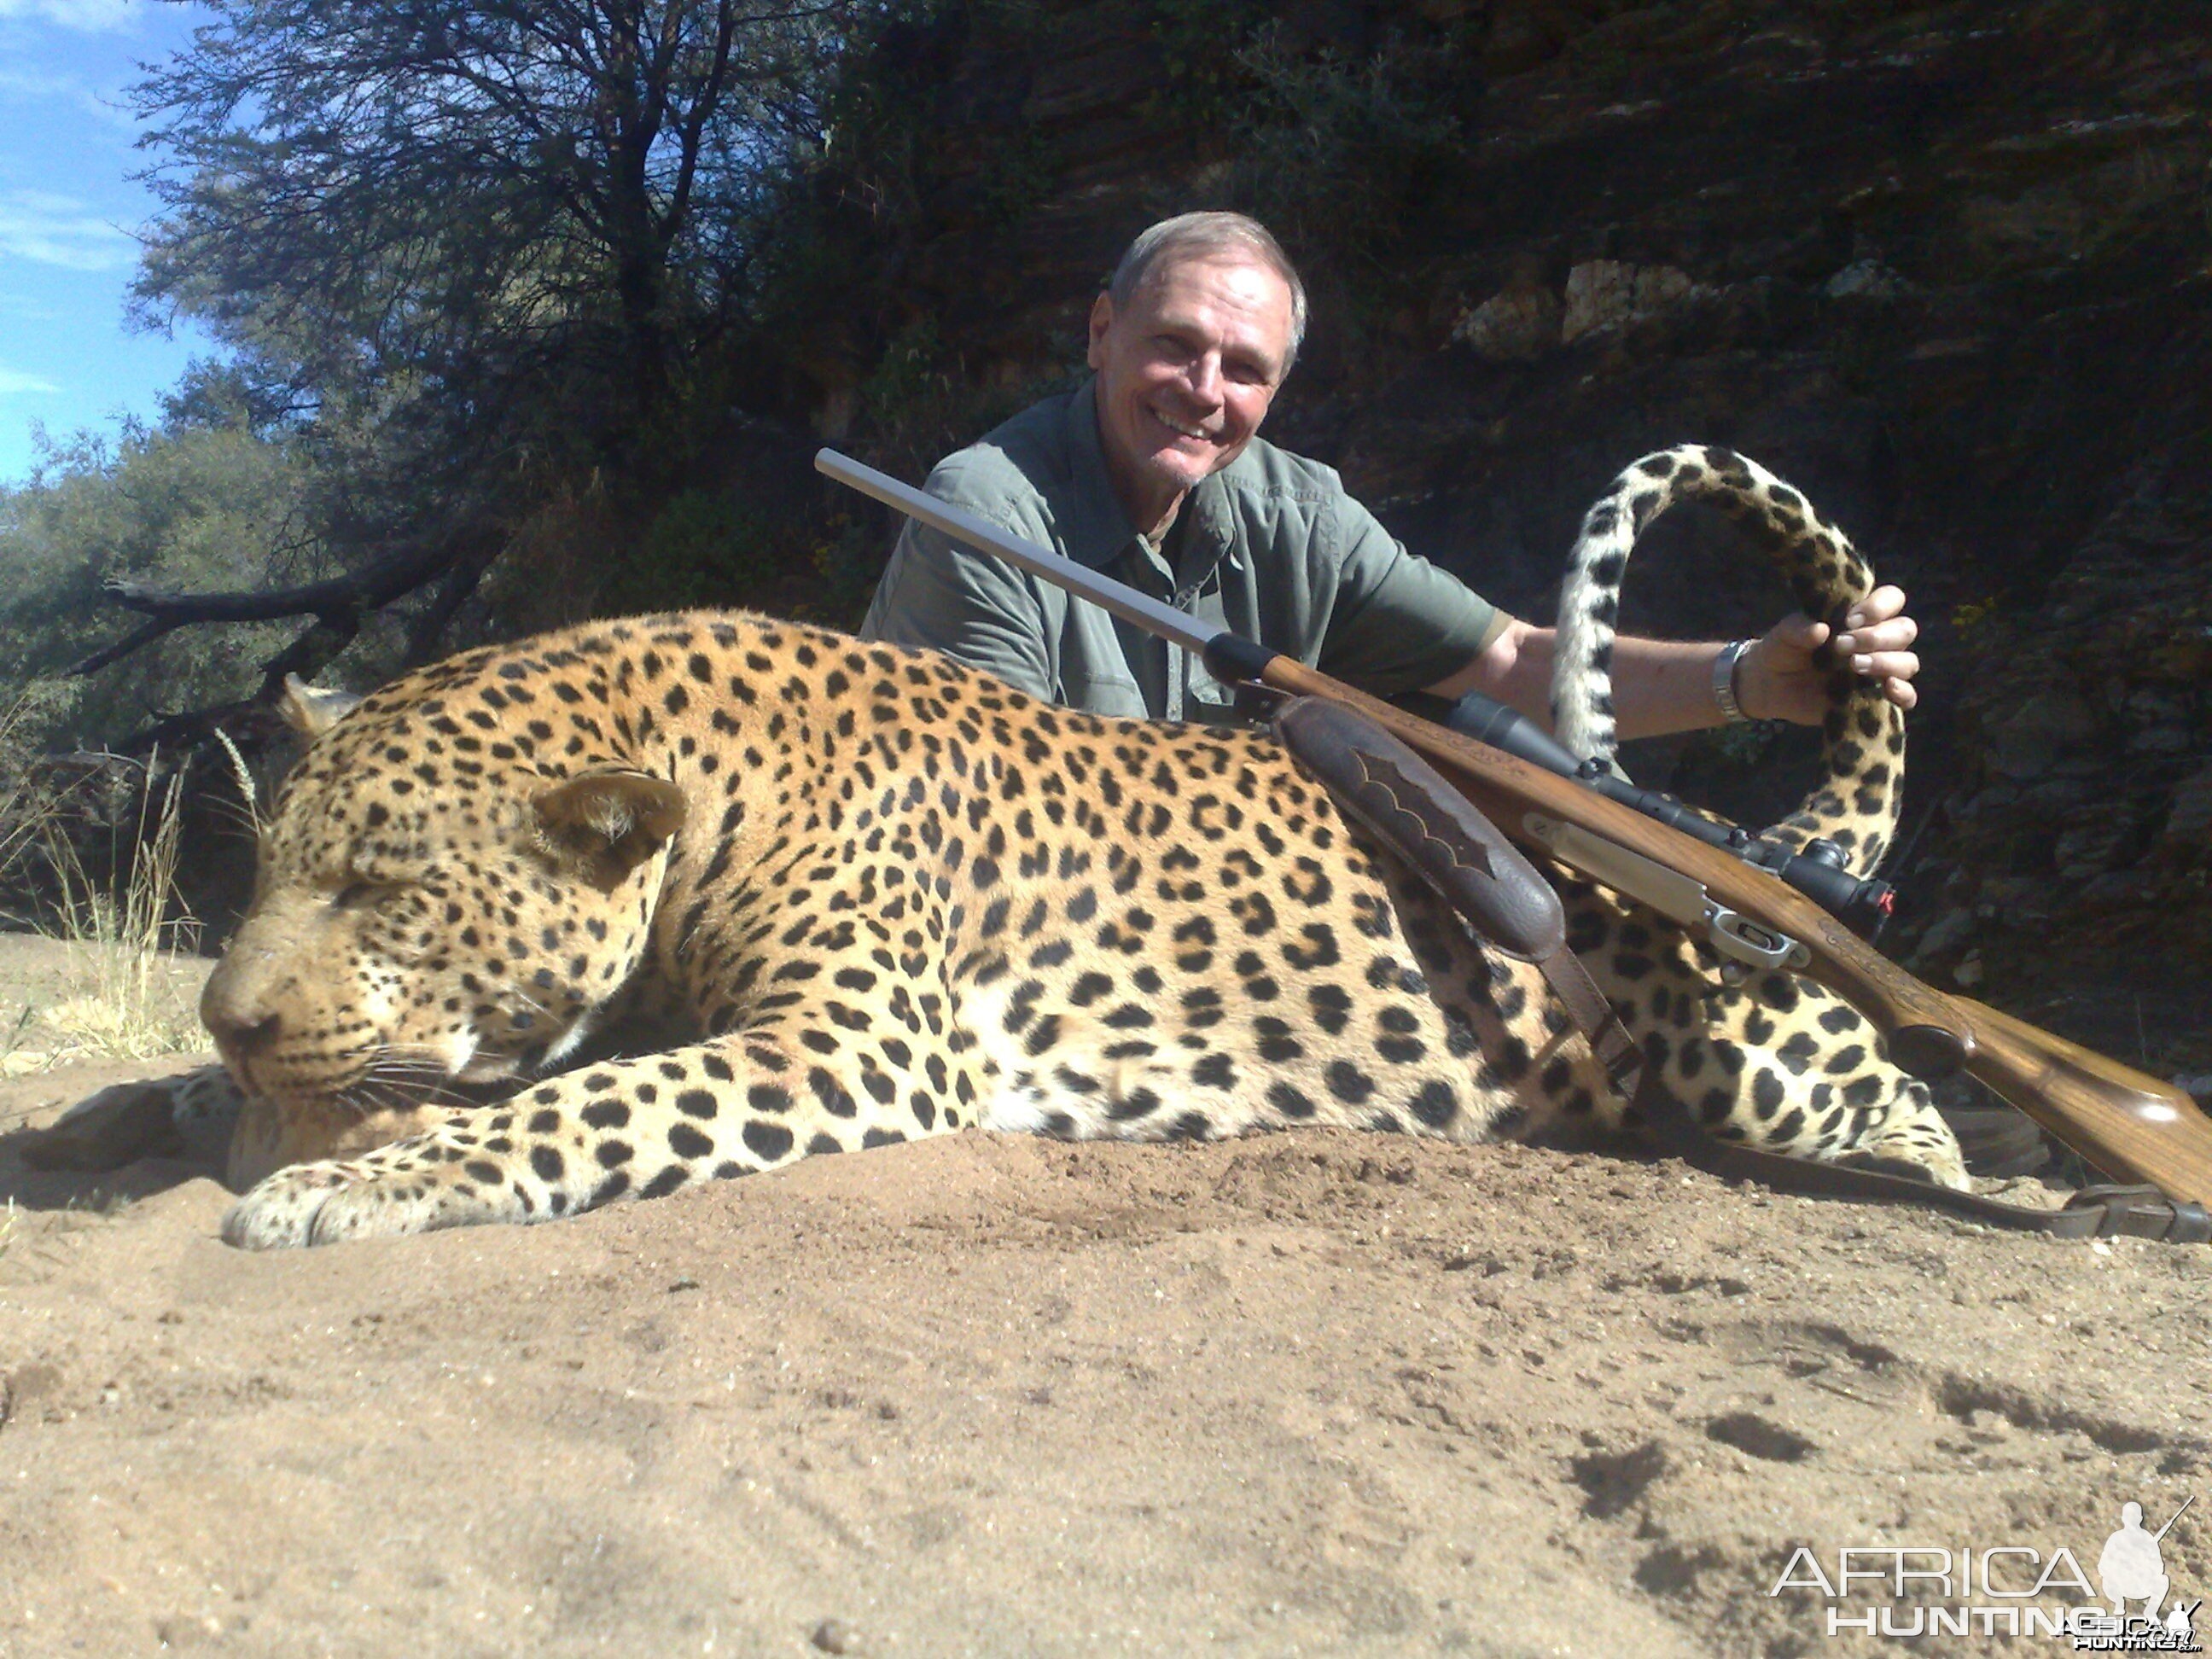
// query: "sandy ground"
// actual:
[[1310, 1394]]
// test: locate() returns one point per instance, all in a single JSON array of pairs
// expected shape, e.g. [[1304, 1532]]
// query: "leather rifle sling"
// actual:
[[1443, 838]]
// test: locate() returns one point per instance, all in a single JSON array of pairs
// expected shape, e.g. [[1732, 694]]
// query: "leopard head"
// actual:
[[434, 905]]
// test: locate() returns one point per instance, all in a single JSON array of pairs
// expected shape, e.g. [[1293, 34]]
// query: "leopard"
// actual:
[[604, 914]]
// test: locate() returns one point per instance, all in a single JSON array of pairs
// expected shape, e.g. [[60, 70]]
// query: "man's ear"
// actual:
[[611, 817], [310, 710], [1102, 319]]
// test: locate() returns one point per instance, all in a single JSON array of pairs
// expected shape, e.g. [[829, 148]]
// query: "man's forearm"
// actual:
[[1658, 685]]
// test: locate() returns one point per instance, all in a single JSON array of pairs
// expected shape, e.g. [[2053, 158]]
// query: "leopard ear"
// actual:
[[309, 709], [615, 818]]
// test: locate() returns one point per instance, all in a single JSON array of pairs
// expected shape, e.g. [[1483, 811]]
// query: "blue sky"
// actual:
[[67, 209]]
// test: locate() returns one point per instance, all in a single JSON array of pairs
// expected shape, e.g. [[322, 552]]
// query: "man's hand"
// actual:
[[1781, 678]]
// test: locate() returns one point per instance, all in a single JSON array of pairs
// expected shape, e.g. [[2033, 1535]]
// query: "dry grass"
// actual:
[[120, 996], [125, 1005]]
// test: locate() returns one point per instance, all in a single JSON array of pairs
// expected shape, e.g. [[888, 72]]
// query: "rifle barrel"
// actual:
[[1117, 598], [2175, 1517]]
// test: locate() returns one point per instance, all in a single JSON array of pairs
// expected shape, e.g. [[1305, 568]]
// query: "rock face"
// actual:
[[1944, 267]]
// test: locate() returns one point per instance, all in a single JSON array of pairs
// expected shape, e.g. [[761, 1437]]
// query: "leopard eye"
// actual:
[[354, 895]]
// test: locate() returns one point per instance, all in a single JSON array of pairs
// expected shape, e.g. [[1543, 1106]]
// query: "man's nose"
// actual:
[[1205, 378]]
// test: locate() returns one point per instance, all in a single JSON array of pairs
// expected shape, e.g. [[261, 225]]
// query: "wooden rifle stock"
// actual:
[[2130, 1125]]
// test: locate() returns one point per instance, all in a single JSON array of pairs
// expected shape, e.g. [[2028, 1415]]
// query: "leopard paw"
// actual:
[[415, 1186]]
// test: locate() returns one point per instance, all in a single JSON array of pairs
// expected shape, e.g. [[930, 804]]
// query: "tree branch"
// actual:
[[336, 603], [460, 582]]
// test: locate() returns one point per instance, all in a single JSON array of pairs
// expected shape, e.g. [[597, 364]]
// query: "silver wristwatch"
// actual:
[[1724, 680]]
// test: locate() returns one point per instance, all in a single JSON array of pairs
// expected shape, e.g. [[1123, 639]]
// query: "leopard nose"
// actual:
[[236, 1013], [240, 1032]]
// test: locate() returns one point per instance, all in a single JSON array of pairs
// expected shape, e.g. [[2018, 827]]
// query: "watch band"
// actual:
[[1724, 680]]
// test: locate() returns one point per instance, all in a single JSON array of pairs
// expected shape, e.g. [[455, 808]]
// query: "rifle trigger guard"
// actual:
[[1752, 943], [1662, 888]]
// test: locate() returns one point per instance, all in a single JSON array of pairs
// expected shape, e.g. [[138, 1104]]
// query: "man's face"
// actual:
[[1186, 372]]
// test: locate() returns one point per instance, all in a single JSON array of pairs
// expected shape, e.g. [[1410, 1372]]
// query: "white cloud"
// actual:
[[51, 229], [90, 16], [14, 381]]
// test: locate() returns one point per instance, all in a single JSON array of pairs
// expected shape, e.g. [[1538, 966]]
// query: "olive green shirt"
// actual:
[[1271, 547]]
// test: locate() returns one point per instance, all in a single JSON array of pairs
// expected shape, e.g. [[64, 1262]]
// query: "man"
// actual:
[[1152, 472]]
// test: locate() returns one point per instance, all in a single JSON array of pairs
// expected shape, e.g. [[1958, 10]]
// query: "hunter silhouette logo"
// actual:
[[2132, 1568], [2010, 1589]]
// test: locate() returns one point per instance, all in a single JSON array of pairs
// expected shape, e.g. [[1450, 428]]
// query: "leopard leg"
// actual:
[[631, 1128], [1776, 1061], [1786, 1065]]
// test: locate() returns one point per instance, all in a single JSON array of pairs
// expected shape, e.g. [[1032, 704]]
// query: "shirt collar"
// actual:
[[1101, 530]]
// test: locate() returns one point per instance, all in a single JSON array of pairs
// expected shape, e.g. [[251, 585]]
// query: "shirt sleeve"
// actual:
[[975, 609], [1399, 622]]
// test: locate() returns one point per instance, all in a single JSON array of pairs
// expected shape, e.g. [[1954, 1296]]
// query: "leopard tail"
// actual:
[[1862, 737]]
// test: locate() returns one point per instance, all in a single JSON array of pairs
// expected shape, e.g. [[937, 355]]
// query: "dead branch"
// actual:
[[337, 603], [460, 582]]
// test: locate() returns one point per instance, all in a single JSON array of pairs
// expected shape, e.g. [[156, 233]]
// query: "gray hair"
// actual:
[[1196, 235]]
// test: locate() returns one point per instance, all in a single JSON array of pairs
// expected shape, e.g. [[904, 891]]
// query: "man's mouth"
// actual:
[[1183, 430]]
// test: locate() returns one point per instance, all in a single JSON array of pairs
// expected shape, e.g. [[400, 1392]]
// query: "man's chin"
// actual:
[[1181, 473]]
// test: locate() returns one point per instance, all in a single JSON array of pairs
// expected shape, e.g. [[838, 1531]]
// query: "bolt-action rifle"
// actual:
[[2132, 1125]]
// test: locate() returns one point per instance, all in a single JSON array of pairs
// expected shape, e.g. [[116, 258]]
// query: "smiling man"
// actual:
[[1152, 472]]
